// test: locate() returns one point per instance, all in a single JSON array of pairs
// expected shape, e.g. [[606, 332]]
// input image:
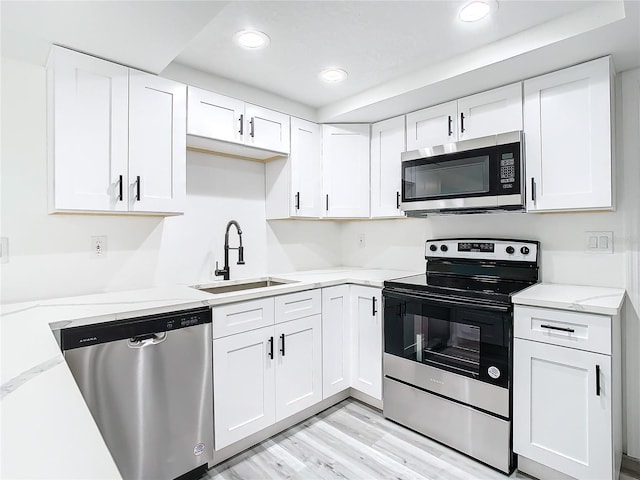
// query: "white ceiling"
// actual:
[[400, 55]]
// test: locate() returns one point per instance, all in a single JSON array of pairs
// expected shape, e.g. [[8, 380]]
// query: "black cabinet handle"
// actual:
[[282, 349], [298, 201], [562, 329], [271, 348], [450, 124], [398, 200], [120, 194], [533, 190], [241, 120], [375, 310], [598, 380], [327, 206], [138, 188], [461, 122], [251, 132]]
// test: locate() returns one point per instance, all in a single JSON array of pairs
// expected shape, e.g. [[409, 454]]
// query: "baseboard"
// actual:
[[630, 465], [368, 399]]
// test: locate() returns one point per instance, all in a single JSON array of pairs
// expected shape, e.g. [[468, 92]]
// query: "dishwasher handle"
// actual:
[[141, 341]]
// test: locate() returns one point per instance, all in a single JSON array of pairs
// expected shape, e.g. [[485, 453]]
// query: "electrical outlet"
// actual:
[[361, 240], [4, 250], [598, 242], [99, 246]]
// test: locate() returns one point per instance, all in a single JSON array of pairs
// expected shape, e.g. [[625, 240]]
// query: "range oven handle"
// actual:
[[404, 295]]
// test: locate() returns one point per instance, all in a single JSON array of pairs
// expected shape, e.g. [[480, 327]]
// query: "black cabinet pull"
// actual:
[[138, 188], [251, 132], [327, 206], [375, 310], [120, 194], [241, 120], [398, 200], [533, 190], [271, 348], [598, 380], [298, 201], [562, 329], [461, 122], [282, 349], [450, 124]]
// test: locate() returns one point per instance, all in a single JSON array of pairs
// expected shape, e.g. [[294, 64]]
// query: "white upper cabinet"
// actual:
[[486, 113], [157, 143], [568, 128], [293, 184], [116, 138], [387, 144], [432, 126], [222, 124], [345, 172], [88, 136]]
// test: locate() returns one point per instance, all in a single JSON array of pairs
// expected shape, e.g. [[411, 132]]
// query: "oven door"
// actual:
[[456, 336]]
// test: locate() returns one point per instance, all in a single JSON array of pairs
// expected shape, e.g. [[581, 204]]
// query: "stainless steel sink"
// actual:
[[248, 285]]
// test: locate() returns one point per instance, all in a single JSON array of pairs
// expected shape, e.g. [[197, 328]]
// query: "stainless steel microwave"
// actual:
[[480, 175]]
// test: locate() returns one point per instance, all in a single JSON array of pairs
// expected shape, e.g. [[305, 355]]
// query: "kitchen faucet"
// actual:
[[225, 271]]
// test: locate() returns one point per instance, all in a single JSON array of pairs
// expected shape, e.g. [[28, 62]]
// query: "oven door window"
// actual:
[[459, 340], [432, 180]]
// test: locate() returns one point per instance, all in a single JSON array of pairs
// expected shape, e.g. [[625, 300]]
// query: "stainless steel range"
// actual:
[[448, 344]]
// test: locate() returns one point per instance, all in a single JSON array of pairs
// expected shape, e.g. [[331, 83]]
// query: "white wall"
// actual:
[[49, 254]]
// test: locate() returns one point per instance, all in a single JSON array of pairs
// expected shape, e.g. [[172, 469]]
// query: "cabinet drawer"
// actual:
[[584, 331], [242, 317], [298, 305]]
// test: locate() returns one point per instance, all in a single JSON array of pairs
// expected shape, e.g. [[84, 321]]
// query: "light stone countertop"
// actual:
[[578, 298], [47, 429]]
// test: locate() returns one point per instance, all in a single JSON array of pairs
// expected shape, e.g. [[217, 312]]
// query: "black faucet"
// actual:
[[225, 271]]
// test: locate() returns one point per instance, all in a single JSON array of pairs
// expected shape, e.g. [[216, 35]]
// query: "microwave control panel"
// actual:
[[508, 168]]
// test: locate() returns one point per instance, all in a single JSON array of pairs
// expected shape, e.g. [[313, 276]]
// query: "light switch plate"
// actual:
[[598, 242], [4, 250]]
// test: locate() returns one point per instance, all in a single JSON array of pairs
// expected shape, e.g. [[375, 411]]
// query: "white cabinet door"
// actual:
[[243, 385], [215, 116], [561, 419], [299, 365], [366, 343], [567, 123], [345, 170], [88, 108], [387, 144], [306, 169], [157, 144], [266, 129], [487, 113], [432, 126], [336, 340]]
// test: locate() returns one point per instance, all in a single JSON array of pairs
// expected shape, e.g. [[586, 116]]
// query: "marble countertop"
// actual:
[[578, 298], [47, 429]]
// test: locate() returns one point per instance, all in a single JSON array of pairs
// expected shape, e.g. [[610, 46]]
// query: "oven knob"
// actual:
[[444, 248], [510, 250], [524, 250], [433, 248]]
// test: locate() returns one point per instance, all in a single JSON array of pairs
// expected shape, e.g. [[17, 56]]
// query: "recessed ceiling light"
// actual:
[[476, 10], [333, 75], [252, 39]]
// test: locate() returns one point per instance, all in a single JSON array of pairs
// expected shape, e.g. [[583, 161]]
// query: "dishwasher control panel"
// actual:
[[132, 328]]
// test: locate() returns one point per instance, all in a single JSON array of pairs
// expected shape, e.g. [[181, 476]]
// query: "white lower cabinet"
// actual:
[[264, 375], [243, 385], [336, 340], [366, 340], [566, 399]]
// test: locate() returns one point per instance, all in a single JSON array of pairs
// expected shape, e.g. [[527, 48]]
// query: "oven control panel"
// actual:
[[484, 249]]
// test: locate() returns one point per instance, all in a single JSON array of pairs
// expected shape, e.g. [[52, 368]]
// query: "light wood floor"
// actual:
[[352, 441]]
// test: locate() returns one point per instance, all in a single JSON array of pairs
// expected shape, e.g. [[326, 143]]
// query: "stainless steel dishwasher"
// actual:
[[148, 384]]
